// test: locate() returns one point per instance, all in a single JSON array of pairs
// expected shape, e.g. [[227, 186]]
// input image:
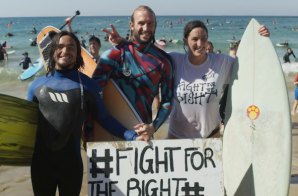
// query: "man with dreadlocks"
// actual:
[[139, 68], [65, 97]]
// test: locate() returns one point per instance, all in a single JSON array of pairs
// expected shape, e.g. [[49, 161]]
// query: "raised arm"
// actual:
[[114, 37], [68, 24]]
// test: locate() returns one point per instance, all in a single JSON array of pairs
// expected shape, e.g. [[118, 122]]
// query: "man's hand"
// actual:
[[264, 31], [145, 132], [144, 138], [114, 37]]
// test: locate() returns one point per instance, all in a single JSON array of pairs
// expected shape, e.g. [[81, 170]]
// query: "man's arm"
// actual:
[[109, 60], [109, 122], [68, 24], [166, 91]]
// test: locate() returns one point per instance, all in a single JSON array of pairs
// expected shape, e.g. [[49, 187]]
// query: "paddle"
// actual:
[[77, 13]]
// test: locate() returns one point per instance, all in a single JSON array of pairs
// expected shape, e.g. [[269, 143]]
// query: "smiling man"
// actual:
[[65, 97], [139, 68]]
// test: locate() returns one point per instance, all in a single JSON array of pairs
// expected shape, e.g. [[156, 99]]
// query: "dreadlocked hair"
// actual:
[[55, 44]]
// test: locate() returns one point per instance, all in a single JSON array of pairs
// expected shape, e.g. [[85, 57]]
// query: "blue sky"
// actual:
[[16, 8]]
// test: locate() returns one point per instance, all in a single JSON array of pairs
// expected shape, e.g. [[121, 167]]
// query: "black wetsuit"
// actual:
[[287, 57], [64, 102], [25, 62], [2, 52]]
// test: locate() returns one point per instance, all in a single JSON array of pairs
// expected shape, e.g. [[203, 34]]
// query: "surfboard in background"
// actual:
[[285, 44], [114, 100], [11, 52], [18, 123], [257, 136], [32, 70]]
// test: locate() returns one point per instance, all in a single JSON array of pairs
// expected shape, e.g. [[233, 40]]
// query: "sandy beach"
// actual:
[[16, 180]]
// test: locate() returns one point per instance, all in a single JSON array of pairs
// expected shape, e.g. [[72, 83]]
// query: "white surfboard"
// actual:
[[11, 52], [257, 136]]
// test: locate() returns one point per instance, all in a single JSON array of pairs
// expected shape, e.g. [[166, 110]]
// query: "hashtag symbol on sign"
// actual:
[[106, 159], [196, 189]]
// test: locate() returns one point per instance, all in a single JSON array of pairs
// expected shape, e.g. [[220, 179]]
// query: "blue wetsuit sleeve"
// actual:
[[107, 121], [111, 124]]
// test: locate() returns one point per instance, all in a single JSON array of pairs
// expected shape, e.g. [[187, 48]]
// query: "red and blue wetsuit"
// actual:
[[65, 99], [139, 70]]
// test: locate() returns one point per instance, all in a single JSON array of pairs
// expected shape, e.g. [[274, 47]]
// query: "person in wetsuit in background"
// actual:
[[26, 61], [3, 53], [65, 97], [286, 57]]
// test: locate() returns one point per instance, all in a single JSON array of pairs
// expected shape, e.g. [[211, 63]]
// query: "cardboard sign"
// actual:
[[163, 167]]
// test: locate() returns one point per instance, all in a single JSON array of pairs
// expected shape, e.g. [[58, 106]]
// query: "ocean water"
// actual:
[[221, 29]]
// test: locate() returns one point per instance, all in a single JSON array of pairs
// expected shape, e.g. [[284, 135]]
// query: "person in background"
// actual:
[[3, 53], [34, 41], [139, 68], [33, 31], [295, 105], [286, 57], [65, 97], [68, 22], [209, 47], [233, 48], [94, 47], [26, 61], [94, 42], [4, 44]]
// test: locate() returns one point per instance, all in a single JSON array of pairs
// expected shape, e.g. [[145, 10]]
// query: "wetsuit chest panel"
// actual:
[[61, 116], [61, 109], [143, 67], [141, 85]]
